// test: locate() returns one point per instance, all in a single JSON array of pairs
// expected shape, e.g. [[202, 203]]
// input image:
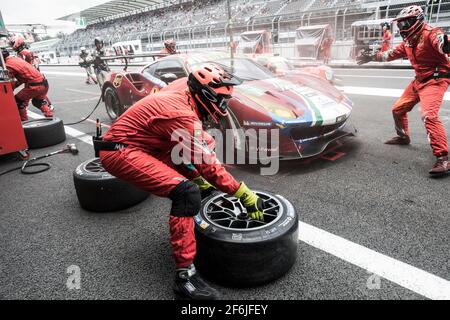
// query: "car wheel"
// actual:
[[114, 108], [99, 191], [45, 132], [233, 250]]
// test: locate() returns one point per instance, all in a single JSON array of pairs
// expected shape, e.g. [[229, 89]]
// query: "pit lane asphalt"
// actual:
[[377, 196]]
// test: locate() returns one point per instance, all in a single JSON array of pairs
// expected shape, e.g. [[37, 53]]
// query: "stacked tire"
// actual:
[[45, 132], [99, 191]]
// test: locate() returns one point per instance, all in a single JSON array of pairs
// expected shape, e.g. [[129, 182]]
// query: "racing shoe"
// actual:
[[47, 111], [190, 286], [403, 141], [441, 166]]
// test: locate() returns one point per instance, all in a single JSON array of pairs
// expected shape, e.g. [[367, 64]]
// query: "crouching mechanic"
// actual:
[[426, 48], [140, 148], [36, 86]]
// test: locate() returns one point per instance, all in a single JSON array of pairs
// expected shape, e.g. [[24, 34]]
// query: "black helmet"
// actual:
[[98, 40]]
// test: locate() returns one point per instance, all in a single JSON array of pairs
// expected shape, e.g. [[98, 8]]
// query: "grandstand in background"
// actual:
[[203, 23]]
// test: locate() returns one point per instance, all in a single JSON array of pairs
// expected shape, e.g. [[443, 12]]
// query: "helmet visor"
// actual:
[[406, 24]]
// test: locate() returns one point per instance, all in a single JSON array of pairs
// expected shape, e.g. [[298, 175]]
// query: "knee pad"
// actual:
[[38, 103], [186, 200]]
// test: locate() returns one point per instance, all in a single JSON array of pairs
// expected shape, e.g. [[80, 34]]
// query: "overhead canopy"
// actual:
[[368, 23], [113, 8]]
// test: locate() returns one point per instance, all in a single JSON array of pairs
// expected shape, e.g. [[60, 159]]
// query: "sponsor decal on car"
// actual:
[[117, 80], [257, 123]]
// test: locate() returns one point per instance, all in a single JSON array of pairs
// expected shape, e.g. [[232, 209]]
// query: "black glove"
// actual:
[[365, 58], [205, 187], [446, 46]]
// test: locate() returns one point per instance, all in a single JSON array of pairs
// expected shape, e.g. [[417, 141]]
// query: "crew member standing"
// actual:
[[101, 67], [140, 146], [386, 39], [84, 63], [426, 48], [170, 47], [36, 86]]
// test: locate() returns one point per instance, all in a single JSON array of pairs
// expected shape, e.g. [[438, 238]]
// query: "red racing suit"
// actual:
[[386, 41], [427, 58], [326, 49], [166, 51], [36, 87], [147, 129], [27, 55]]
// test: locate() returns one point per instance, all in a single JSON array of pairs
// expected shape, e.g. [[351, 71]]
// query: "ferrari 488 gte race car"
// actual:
[[309, 112]]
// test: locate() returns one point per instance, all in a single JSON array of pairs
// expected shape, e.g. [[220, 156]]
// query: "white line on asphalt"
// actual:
[[84, 137], [85, 91], [70, 74], [405, 275], [375, 69], [379, 92], [363, 76], [74, 101]]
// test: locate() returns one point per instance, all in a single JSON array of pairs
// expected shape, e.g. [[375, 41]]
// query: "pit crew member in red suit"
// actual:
[[138, 148], [426, 48], [170, 47], [36, 86], [386, 39]]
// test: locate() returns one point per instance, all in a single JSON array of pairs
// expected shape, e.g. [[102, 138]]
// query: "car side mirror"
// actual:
[[168, 77]]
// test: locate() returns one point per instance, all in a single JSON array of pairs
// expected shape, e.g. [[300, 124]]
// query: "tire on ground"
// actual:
[[45, 132], [114, 108], [99, 191], [241, 253]]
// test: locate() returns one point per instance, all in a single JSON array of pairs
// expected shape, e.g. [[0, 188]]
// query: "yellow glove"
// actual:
[[251, 202], [205, 187]]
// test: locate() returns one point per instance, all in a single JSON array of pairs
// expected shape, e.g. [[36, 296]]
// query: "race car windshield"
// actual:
[[244, 69]]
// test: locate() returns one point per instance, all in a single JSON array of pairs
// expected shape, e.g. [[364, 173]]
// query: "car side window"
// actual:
[[169, 66], [151, 68]]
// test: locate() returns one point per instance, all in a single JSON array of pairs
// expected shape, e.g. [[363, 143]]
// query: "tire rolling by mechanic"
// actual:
[[426, 47], [138, 147]]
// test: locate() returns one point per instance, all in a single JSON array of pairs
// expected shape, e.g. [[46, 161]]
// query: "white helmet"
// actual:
[[410, 21], [82, 49]]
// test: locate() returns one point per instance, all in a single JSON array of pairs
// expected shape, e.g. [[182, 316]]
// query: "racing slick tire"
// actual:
[[114, 108], [99, 191], [235, 251], [45, 132]]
